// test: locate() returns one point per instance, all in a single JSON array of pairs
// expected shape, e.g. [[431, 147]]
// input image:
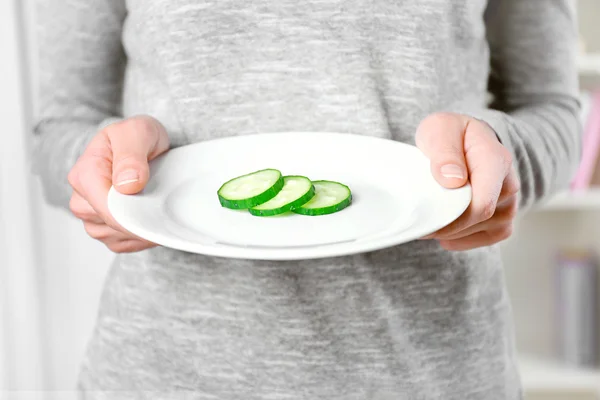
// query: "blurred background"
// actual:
[[51, 273]]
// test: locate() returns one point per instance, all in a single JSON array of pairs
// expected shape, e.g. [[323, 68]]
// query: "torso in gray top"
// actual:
[[411, 322]]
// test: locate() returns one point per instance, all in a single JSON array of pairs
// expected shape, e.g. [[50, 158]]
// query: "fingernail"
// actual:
[[127, 176], [452, 171]]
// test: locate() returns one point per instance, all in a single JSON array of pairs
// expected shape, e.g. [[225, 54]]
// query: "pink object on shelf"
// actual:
[[591, 147]]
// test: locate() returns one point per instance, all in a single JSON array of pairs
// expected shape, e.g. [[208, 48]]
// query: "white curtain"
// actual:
[[21, 348]]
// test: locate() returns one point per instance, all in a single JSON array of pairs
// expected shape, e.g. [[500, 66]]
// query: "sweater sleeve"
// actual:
[[534, 84], [81, 65]]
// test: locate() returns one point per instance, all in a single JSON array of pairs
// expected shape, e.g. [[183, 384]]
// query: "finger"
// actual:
[[441, 138], [477, 240], [103, 232], [490, 164], [133, 143], [505, 214], [74, 179], [129, 246], [95, 178], [511, 186], [82, 209]]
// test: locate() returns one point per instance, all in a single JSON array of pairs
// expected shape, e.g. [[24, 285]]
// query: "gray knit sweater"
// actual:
[[410, 322]]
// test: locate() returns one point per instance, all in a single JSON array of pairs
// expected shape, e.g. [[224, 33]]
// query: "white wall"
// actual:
[[588, 21]]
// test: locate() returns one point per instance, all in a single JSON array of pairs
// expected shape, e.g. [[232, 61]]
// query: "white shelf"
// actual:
[[573, 201], [589, 64], [546, 375]]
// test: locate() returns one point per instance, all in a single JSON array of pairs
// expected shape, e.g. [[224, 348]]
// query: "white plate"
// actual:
[[395, 197]]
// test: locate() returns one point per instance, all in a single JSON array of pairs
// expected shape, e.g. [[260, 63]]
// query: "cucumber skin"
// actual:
[[288, 207], [313, 212], [259, 199]]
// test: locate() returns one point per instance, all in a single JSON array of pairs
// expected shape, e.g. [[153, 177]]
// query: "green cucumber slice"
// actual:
[[330, 197], [250, 190], [297, 190]]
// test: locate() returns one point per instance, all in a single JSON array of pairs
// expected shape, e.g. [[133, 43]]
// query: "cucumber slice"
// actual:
[[250, 190], [330, 197], [297, 190]]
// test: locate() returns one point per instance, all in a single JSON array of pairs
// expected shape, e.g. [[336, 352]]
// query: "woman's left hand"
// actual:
[[465, 149]]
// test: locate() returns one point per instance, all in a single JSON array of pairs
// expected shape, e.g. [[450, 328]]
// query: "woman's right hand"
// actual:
[[118, 155]]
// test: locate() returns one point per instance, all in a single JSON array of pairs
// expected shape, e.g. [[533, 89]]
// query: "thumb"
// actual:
[[134, 142], [441, 138]]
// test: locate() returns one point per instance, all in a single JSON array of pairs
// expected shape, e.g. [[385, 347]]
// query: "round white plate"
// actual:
[[395, 197]]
